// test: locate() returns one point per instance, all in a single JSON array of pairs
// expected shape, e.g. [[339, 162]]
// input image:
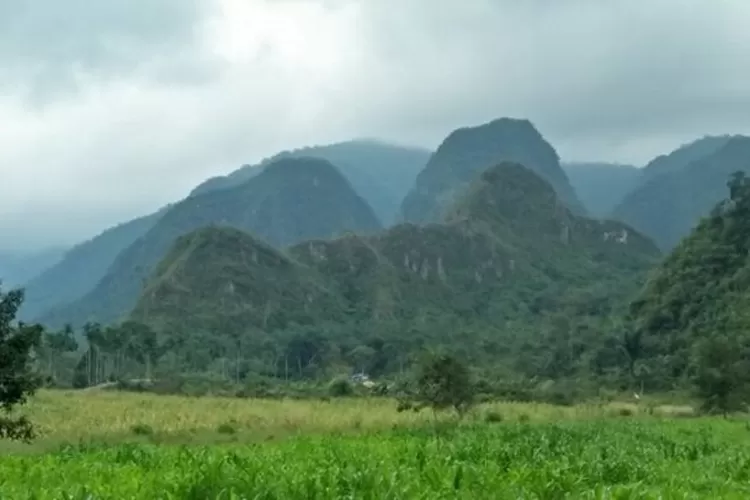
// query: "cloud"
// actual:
[[46, 46], [112, 109]]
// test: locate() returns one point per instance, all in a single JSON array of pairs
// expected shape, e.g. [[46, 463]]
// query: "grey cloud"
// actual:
[[618, 74], [46, 46], [158, 110]]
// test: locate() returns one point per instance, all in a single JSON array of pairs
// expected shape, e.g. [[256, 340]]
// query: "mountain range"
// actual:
[[508, 249], [381, 173], [677, 190], [378, 185], [290, 200]]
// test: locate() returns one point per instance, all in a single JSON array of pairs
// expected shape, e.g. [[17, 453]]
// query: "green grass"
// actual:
[[111, 445], [615, 458]]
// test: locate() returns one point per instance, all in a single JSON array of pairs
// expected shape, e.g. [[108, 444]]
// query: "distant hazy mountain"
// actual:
[[467, 152], [381, 173], [16, 268], [291, 200], [81, 267], [601, 186], [667, 205], [683, 156]]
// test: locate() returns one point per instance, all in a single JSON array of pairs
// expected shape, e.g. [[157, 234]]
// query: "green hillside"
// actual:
[[381, 173], [698, 299], [667, 206], [497, 275], [601, 186], [467, 152], [290, 201]]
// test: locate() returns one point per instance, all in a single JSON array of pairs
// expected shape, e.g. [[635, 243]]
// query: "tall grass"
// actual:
[[74, 416]]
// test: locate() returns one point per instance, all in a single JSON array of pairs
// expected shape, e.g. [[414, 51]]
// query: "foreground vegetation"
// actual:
[[74, 417], [506, 456]]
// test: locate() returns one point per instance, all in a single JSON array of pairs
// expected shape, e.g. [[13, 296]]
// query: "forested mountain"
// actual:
[[467, 152], [291, 200], [499, 279], [668, 205], [381, 173], [692, 320], [601, 186], [79, 270], [16, 268]]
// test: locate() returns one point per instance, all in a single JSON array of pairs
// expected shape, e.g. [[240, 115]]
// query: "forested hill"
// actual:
[[381, 173], [291, 200], [493, 280], [667, 206], [694, 313], [467, 152]]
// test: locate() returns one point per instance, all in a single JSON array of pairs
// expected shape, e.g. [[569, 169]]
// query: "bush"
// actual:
[[340, 387], [227, 428], [142, 430], [493, 416]]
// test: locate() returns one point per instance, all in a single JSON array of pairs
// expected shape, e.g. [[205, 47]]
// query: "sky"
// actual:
[[112, 109]]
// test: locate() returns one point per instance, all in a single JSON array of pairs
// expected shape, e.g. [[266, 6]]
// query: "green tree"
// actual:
[[17, 379], [444, 382], [723, 373], [56, 344]]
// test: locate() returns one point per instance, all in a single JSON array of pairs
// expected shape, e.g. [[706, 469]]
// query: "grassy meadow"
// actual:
[[99, 444]]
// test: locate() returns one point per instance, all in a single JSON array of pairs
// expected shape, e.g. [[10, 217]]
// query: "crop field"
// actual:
[[126, 446]]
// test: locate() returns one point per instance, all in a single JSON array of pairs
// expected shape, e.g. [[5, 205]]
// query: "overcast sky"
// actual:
[[113, 108]]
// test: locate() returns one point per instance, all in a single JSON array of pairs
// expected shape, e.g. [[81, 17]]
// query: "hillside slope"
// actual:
[[291, 200], [467, 152], [601, 186], [82, 267], [668, 206], [16, 268], [683, 156], [507, 251], [381, 173], [700, 291]]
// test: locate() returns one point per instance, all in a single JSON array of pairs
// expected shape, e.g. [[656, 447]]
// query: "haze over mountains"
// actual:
[[17, 268], [489, 247], [601, 186], [100, 279], [382, 173], [677, 190], [293, 199]]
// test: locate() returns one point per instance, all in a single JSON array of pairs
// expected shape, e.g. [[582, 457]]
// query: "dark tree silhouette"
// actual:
[[17, 378]]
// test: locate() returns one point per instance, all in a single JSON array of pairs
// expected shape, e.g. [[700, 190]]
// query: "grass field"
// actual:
[[124, 446]]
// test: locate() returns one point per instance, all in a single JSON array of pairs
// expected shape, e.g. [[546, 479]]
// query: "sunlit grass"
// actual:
[[111, 416]]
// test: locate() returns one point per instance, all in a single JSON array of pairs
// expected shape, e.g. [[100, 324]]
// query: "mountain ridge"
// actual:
[[669, 205], [292, 199], [468, 151]]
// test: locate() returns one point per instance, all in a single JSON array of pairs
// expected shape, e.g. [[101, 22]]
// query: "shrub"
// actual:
[[340, 387]]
